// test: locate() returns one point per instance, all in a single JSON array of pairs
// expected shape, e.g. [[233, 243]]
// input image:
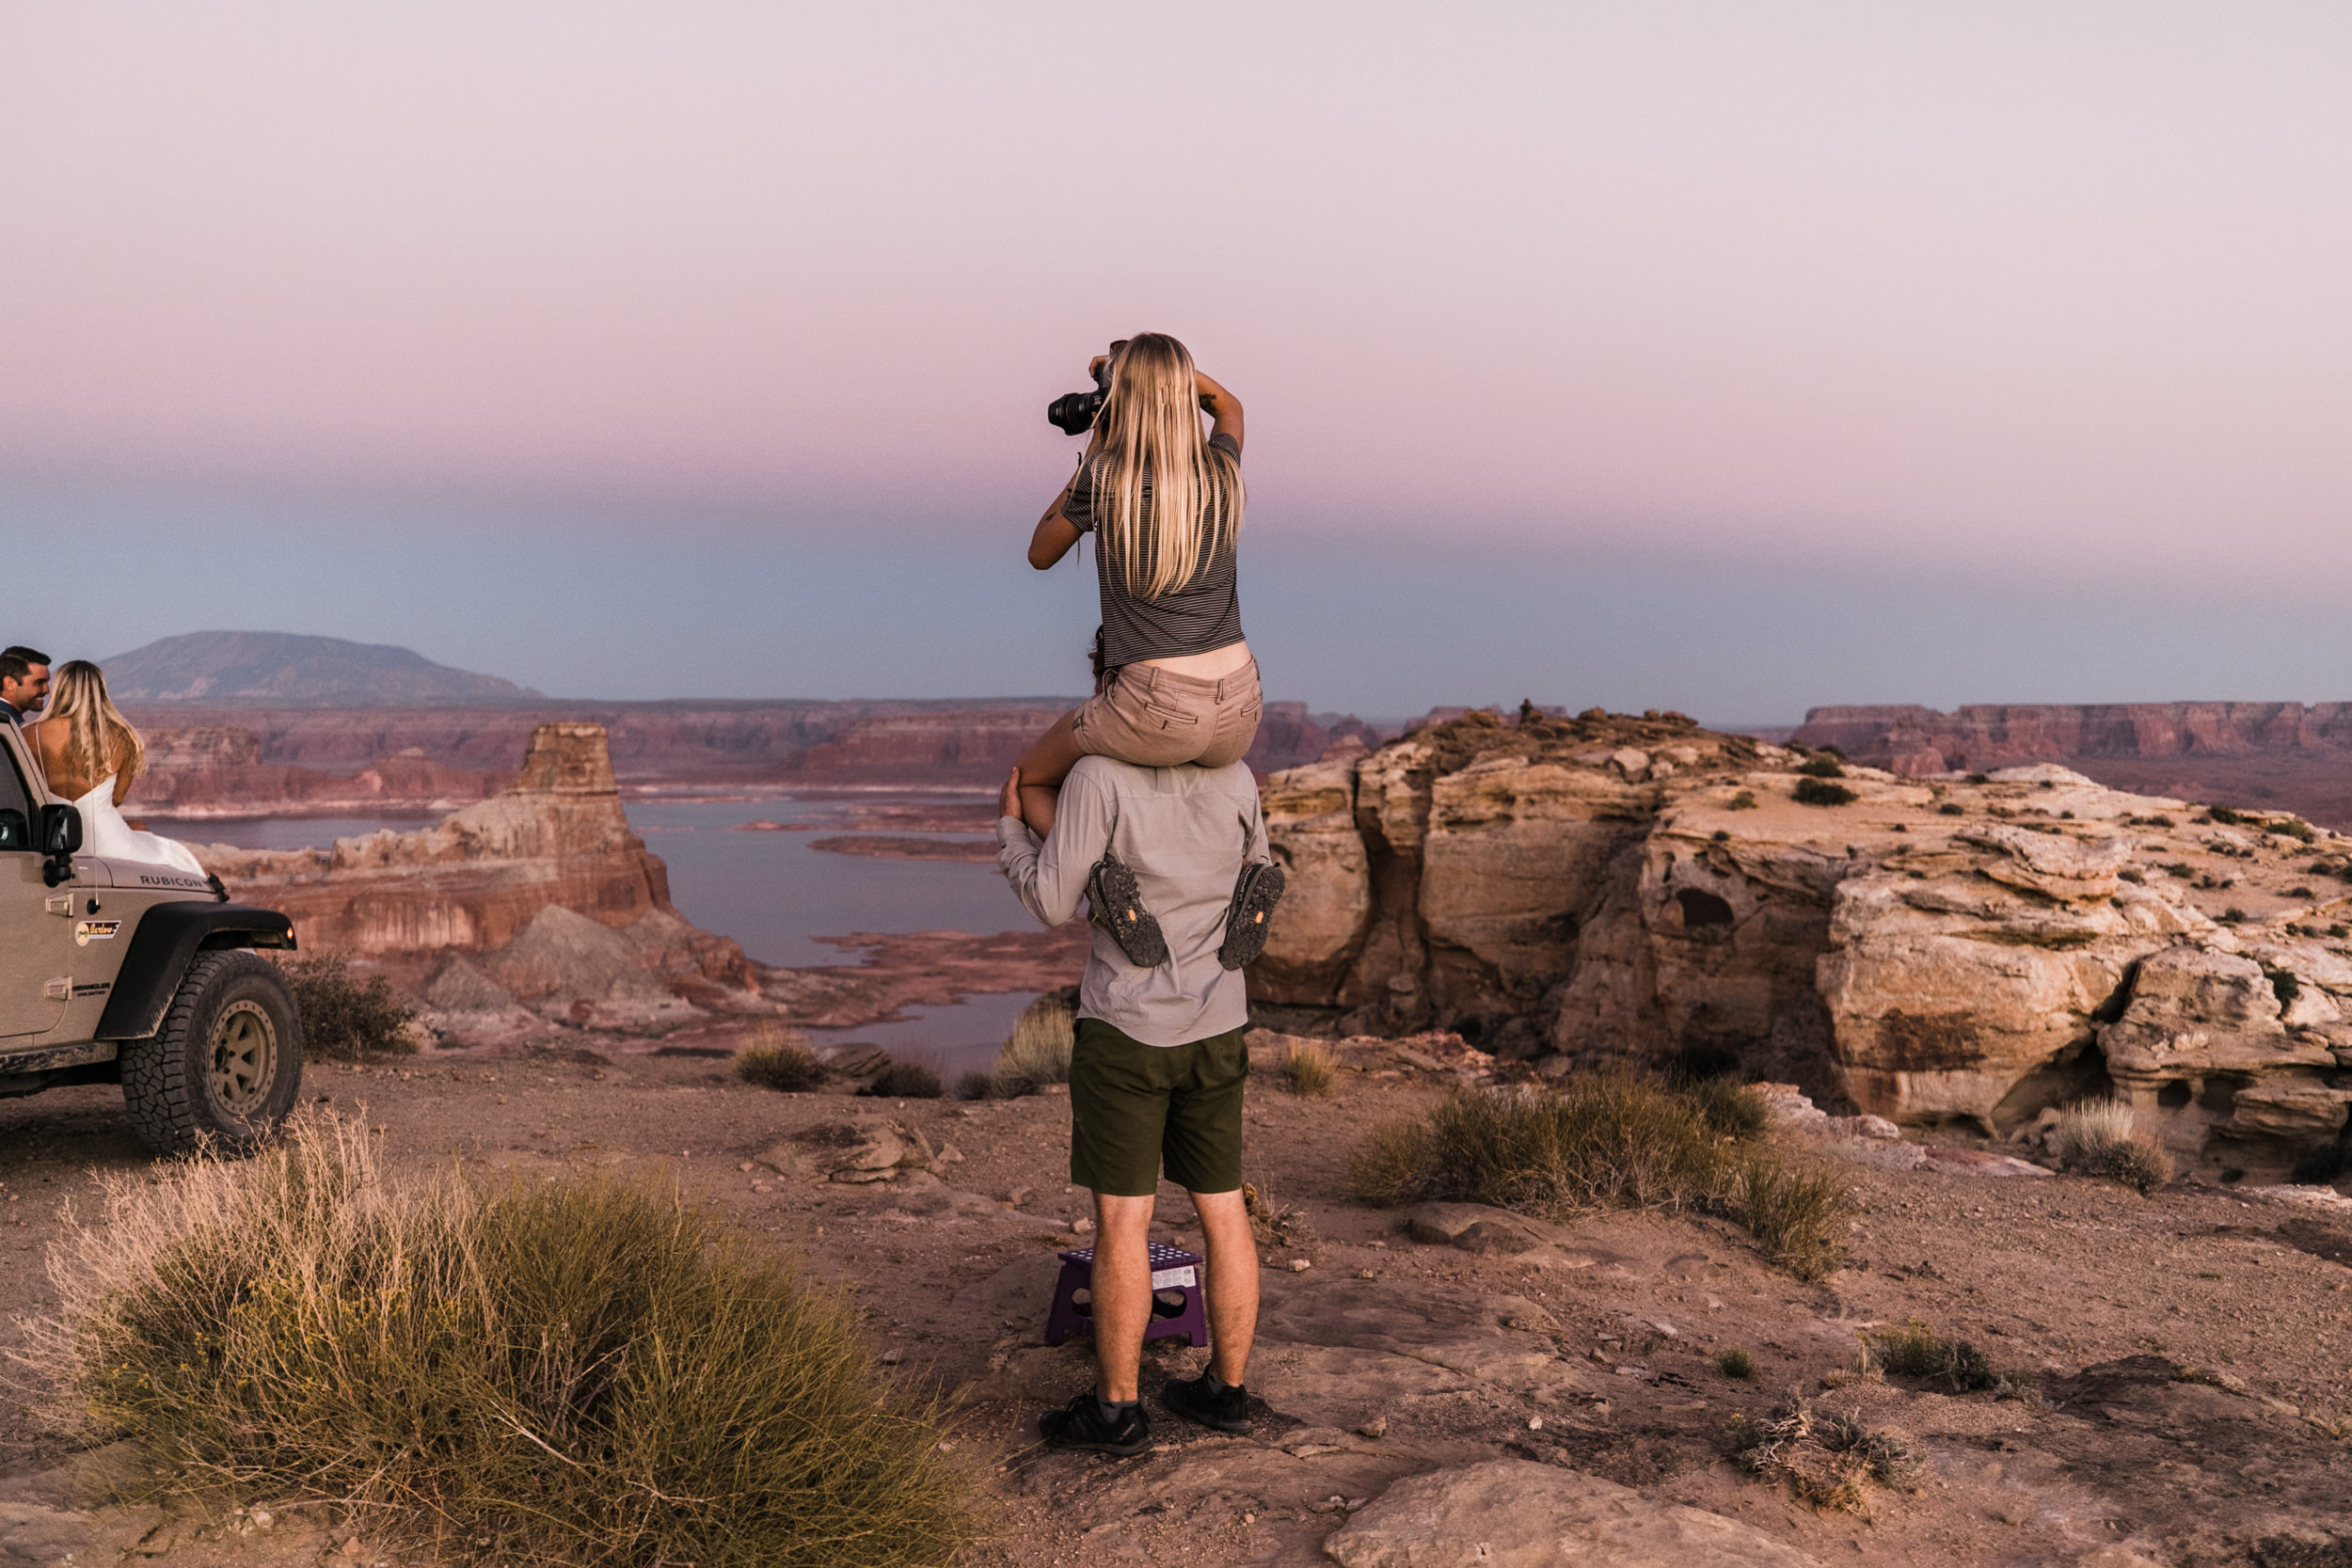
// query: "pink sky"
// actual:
[[1917, 283]]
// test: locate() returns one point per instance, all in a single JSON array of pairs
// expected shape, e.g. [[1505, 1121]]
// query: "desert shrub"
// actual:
[[977, 1084], [1952, 808], [2284, 985], [2104, 1138], [1744, 801], [1914, 1349], [1825, 1458], [2233, 916], [1735, 1363], [2130, 875], [1606, 1139], [1820, 792], [1729, 1106], [2294, 828], [2301, 893], [2222, 815], [1980, 778], [342, 1018], [904, 1081], [780, 1061], [1822, 767], [2158, 821], [1038, 1050], [1309, 1069], [2181, 869], [578, 1370]]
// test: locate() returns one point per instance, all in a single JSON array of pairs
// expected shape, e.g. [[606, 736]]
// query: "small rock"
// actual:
[[1667, 1329], [890, 1357], [1300, 1265], [745, 1166], [352, 1546], [1020, 1195], [1534, 1423], [1082, 1226], [1377, 1427]]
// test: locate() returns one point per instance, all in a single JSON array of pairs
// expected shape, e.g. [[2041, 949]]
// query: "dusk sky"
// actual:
[[1730, 357]]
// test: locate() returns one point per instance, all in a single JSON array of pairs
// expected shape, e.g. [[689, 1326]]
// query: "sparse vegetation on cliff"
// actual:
[[578, 1370], [1611, 1140], [904, 1081], [2104, 1138], [1813, 791], [342, 1018]]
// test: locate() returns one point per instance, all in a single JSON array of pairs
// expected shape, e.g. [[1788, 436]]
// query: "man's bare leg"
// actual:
[[1232, 1283], [1044, 766], [1121, 1287]]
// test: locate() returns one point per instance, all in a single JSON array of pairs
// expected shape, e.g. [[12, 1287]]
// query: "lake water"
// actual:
[[776, 896]]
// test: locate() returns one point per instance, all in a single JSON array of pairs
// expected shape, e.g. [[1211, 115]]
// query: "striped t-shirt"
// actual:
[[1195, 617]]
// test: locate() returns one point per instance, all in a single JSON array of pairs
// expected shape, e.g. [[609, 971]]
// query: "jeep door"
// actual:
[[36, 920]]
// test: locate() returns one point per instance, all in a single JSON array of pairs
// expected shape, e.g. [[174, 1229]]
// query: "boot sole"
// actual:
[[1115, 904], [1250, 919]]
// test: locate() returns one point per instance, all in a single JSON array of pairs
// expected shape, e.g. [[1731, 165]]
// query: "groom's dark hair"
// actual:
[[17, 662]]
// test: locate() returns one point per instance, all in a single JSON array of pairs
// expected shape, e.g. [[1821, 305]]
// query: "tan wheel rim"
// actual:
[[244, 1057]]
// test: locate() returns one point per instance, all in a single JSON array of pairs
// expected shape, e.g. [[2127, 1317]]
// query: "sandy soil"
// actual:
[[2192, 1350]]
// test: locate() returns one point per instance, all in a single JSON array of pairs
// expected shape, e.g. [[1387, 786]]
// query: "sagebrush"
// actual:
[[583, 1370], [1611, 1139], [1036, 1054], [344, 1018]]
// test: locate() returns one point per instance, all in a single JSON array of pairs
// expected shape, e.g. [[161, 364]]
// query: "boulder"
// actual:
[[1512, 1513], [1475, 1228]]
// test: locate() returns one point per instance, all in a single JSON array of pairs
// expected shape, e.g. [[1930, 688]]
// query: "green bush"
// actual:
[[1820, 792], [1952, 808], [580, 1371], [1914, 1350], [775, 1060], [1822, 767], [1744, 801], [1735, 1363], [343, 1019], [1607, 1139]]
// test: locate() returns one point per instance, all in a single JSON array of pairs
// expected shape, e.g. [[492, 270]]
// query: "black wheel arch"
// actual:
[[168, 938]]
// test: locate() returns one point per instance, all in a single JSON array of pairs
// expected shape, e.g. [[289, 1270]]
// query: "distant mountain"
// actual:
[[273, 667]]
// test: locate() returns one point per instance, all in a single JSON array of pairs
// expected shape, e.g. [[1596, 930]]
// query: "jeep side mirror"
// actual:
[[15, 832], [60, 830]]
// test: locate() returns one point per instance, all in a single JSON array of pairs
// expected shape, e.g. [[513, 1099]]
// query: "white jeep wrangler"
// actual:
[[125, 972]]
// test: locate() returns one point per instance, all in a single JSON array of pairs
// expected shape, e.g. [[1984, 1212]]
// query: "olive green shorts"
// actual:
[[1136, 1110]]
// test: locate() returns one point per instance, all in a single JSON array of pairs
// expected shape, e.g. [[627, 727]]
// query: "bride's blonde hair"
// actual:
[[1151, 426], [97, 738]]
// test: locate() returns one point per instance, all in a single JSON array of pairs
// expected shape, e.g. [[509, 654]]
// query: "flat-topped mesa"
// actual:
[[1918, 741], [556, 837], [1607, 888]]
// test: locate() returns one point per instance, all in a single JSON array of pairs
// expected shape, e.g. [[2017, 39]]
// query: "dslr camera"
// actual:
[[1072, 413]]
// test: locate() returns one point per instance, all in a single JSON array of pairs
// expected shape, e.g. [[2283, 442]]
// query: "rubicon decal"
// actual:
[[88, 931]]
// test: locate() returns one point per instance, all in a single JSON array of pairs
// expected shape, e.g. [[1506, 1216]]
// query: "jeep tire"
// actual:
[[227, 1063]]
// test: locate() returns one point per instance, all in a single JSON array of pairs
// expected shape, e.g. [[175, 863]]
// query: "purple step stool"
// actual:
[[1173, 1269]]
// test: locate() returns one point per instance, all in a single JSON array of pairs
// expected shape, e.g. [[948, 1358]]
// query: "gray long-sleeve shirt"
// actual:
[[1184, 831]]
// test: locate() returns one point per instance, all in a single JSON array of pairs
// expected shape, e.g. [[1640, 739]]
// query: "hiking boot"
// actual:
[[1250, 917], [1079, 1425], [1115, 903], [1226, 1409]]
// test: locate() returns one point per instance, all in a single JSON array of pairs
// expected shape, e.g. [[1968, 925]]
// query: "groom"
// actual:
[[24, 684]]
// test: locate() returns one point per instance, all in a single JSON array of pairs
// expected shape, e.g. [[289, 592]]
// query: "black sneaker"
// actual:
[[1115, 903], [1080, 1425], [1225, 1409], [1250, 917]]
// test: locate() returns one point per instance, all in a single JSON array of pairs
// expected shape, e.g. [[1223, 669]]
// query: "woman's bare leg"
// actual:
[[1043, 766]]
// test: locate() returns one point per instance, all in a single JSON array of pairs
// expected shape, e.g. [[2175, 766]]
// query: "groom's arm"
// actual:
[[1050, 879]]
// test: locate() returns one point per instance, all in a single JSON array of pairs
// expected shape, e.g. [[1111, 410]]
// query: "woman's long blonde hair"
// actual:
[[1151, 430], [99, 739]]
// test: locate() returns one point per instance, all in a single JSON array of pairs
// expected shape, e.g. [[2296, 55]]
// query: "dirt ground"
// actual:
[[2191, 1353]]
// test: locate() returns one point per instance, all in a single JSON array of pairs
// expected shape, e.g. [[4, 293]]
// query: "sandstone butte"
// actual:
[[1945, 951], [539, 907]]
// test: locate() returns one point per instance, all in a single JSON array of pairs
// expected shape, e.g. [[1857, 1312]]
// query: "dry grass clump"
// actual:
[[584, 1370], [2104, 1138], [1609, 1139], [1035, 1054], [904, 1081], [342, 1018], [1825, 1458], [779, 1060], [1310, 1069]]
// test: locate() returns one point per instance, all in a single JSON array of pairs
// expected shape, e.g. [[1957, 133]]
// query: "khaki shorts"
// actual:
[[1155, 718], [1136, 1110]]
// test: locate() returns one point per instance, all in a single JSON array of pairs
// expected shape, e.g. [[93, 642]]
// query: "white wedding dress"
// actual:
[[106, 835]]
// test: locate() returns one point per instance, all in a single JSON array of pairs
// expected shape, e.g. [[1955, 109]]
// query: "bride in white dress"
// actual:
[[91, 754]]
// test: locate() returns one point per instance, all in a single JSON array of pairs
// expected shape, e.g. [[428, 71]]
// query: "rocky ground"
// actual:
[[2178, 1365]]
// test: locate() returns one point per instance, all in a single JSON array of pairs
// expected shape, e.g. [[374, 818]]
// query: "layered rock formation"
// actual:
[[545, 880], [320, 760], [1929, 951]]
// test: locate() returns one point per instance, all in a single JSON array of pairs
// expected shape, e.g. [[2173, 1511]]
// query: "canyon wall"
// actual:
[[317, 761], [1607, 889]]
